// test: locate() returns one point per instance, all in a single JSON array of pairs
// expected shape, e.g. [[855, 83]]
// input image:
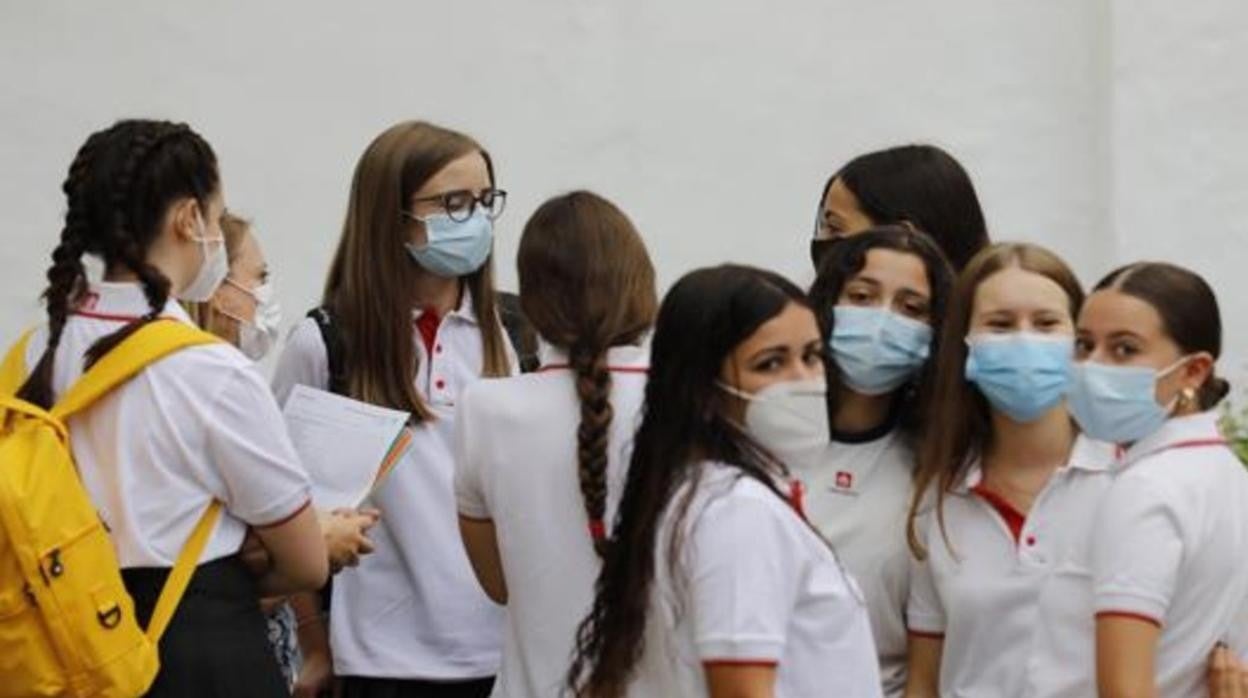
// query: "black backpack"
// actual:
[[519, 331]]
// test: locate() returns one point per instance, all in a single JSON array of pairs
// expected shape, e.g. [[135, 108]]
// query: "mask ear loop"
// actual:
[[1185, 397]]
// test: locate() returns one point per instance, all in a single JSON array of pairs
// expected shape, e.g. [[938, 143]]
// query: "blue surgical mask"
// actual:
[[877, 350], [1022, 374], [454, 248], [1118, 404]]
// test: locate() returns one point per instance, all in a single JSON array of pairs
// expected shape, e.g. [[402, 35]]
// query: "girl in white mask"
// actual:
[[713, 582], [242, 310]]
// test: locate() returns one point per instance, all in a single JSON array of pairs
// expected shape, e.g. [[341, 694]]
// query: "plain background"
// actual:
[[1108, 130]]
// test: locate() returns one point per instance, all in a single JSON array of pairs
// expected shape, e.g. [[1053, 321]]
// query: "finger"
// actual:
[[366, 545]]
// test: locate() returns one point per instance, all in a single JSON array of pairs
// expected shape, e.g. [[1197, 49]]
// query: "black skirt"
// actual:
[[216, 645]]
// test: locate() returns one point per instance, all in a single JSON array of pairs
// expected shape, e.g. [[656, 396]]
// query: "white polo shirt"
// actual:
[[753, 584], [516, 454], [1171, 547], [982, 593], [858, 496], [413, 609], [197, 425]]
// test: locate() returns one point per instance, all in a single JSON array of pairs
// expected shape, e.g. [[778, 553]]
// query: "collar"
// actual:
[[465, 312], [123, 301], [1086, 454], [1199, 427], [626, 358]]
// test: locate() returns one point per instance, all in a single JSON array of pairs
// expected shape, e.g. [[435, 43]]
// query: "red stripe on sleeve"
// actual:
[[1132, 615]]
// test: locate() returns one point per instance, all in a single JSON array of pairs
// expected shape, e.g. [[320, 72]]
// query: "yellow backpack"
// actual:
[[67, 624]]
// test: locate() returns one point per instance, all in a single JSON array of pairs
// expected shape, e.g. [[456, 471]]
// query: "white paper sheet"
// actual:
[[343, 443]]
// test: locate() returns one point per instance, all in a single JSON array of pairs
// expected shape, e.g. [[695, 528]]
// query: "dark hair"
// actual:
[[369, 285], [922, 185], [587, 284], [119, 188], [845, 260], [707, 314], [1188, 309], [957, 424]]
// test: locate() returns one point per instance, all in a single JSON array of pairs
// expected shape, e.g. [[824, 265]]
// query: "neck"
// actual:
[[162, 258], [1044, 444], [437, 292], [856, 413]]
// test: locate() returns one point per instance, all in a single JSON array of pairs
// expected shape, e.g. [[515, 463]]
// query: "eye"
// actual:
[[916, 309], [1083, 347], [813, 356], [1124, 350], [457, 201], [769, 364]]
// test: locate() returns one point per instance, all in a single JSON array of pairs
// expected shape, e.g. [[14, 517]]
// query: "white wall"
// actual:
[[1107, 129]]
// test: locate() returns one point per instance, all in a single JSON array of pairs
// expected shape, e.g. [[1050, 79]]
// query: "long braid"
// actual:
[[126, 246], [593, 387], [66, 277]]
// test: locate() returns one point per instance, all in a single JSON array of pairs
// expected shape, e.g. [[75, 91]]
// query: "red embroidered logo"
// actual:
[[844, 480]]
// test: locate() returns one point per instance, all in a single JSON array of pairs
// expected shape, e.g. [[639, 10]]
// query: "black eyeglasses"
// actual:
[[461, 204]]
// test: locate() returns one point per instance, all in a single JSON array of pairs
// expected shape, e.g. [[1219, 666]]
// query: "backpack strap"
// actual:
[[180, 576], [333, 348], [519, 331], [13, 369], [151, 342]]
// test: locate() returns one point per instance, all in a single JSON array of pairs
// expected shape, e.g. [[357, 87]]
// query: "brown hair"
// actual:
[[370, 280], [587, 284], [1188, 309], [957, 428], [235, 229]]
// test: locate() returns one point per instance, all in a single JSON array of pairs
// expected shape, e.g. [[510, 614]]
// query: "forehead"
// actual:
[[895, 268], [1110, 310], [1018, 290], [465, 172], [795, 325]]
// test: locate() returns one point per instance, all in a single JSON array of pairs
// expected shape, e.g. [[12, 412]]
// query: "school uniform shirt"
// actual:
[[981, 592], [1169, 548], [516, 454], [196, 425], [754, 584], [858, 495], [412, 609]]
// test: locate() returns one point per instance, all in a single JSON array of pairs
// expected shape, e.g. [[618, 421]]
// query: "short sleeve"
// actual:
[[925, 613], [469, 485], [744, 573], [1136, 551], [248, 445], [304, 361]]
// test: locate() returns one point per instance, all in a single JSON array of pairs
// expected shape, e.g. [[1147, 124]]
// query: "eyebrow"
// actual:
[[1120, 334], [862, 279]]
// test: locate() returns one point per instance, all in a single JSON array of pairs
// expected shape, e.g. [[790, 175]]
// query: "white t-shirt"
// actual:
[[754, 584], [197, 425], [858, 495], [1170, 546], [982, 592], [413, 608], [517, 466]]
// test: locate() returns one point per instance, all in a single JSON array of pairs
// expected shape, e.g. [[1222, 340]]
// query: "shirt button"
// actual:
[[440, 384], [1031, 540], [437, 349]]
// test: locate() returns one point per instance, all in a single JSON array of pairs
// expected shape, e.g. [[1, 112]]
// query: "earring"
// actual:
[[1188, 397]]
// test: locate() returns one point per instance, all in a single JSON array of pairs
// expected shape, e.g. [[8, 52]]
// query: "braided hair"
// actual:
[[587, 284], [119, 188]]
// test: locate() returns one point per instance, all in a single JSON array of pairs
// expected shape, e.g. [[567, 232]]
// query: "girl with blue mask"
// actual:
[[878, 295], [1005, 482], [410, 319], [1166, 558]]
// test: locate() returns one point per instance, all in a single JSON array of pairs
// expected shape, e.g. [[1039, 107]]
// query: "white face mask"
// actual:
[[789, 419], [212, 271], [258, 337]]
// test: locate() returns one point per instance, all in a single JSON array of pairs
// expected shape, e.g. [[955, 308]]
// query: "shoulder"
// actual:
[[305, 340], [525, 397]]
